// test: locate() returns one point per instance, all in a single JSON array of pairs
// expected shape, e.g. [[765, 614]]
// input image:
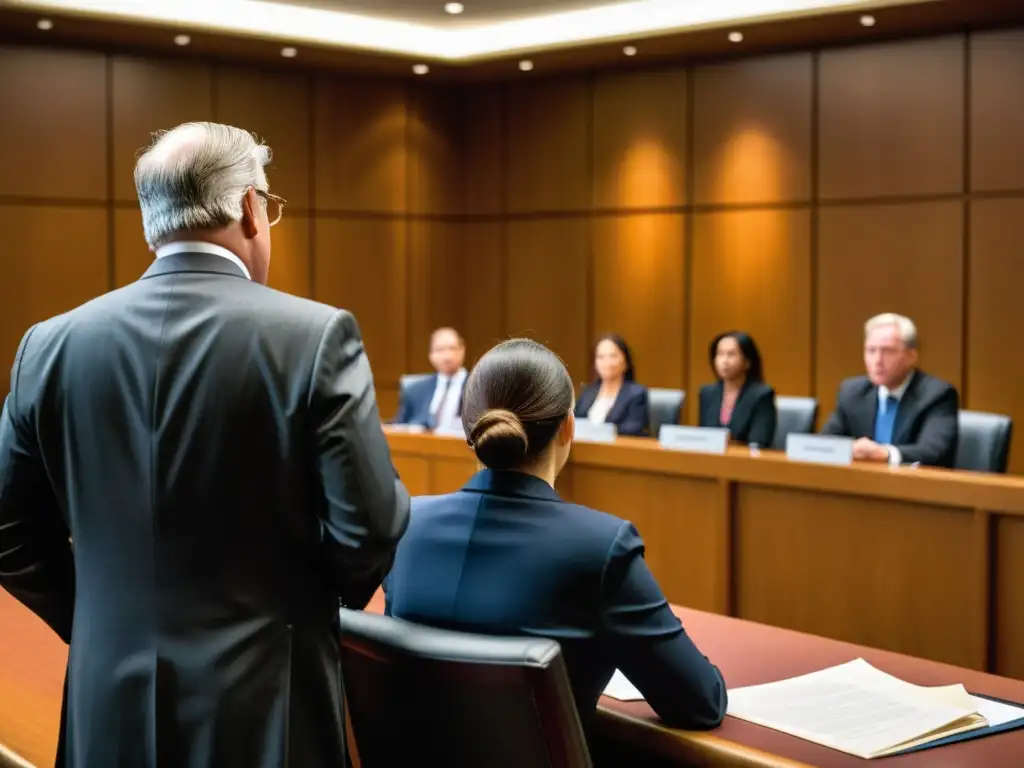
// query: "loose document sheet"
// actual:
[[863, 711]]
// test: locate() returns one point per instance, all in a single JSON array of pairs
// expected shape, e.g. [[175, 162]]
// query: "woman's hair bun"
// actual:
[[499, 439]]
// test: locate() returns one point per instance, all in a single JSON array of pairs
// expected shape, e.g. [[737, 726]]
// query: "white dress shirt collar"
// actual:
[[198, 246], [884, 393]]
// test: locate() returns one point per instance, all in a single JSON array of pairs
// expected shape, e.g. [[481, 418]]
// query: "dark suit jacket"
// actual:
[[506, 556], [926, 429], [753, 418], [630, 414], [213, 448], [414, 402]]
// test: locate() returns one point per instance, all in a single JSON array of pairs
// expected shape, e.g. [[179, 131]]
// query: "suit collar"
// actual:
[[192, 262], [508, 483], [898, 392], [589, 395]]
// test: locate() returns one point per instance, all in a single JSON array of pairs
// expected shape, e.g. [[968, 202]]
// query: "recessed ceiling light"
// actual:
[[629, 50], [526, 65], [182, 39], [289, 52], [420, 69], [44, 24], [735, 37], [867, 20], [454, 8]]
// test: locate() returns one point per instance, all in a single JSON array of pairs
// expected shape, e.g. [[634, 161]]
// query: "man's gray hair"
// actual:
[[904, 326], [194, 177]]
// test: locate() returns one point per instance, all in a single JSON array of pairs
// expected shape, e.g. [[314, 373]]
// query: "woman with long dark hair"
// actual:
[[614, 396], [739, 400]]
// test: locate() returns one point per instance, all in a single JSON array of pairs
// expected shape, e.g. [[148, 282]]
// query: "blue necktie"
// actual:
[[886, 420]]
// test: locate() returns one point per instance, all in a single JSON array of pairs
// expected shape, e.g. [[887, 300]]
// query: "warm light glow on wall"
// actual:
[[751, 161], [647, 174]]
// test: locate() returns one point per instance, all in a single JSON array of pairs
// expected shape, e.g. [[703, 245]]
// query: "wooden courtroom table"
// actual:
[[925, 562], [32, 671]]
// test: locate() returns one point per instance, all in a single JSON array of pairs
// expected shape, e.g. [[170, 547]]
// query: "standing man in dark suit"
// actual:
[[897, 413], [213, 449], [436, 401]]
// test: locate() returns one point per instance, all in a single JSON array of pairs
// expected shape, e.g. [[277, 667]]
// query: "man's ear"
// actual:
[[250, 213]]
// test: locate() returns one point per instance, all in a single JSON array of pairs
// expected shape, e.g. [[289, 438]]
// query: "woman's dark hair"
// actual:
[[618, 341], [748, 348], [517, 397]]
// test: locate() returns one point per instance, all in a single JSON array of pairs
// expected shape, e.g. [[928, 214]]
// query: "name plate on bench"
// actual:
[[589, 432], [820, 449], [697, 439]]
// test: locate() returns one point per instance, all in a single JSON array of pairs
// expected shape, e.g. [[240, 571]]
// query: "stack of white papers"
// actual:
[[863, 711]]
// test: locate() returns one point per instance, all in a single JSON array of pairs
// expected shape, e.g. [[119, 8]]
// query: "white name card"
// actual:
[[589, 432], [696, 439], [410, 429], [820, 449], [454, 429]]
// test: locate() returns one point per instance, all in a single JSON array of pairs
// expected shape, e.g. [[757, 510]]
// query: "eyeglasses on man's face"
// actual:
[[275, 206]]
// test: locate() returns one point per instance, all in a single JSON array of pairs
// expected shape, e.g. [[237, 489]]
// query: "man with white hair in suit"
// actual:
[[214, 450]]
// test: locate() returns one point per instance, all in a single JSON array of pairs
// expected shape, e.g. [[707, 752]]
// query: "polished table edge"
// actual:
[[943, 487], [11, 759], [691, 747]]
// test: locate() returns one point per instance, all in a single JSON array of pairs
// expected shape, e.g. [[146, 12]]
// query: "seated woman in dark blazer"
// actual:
[[507, 556], [740, 400], [614, 397]]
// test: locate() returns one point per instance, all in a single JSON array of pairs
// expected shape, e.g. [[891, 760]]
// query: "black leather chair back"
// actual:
[[665, 407], [796, 415], [984, 444], [418, 695]]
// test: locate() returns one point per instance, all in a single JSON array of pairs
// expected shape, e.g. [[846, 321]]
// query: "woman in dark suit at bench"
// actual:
[[614, 397], [739, 400], [506, 555]]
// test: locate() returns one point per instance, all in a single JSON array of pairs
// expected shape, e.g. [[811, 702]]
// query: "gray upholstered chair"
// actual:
[[796, 416], [984, 444], [419, 696], [409, 379], [665, 407]]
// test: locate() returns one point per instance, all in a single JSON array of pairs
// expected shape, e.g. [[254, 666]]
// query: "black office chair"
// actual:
[[984, 444], [419, 695], [796, 416], [665, 406]]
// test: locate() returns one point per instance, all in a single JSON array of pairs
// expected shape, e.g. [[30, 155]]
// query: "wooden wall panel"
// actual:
[[752, 131], [361, 157], [276, 107], [433, 147], [753, 269], [639, 291], [61, 262], [132, 256], [290, 257], [361, 266], [482, 137], [53, 128], [905, 258], [150, 96], [547, 287], [996, 311], [548, 139], [483, 276], [639, 127], [436, 286], [892, 119], [997, 110]]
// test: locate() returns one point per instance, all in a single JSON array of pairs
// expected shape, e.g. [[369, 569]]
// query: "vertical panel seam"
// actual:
[[108, 74], [589, 307], [311, 183], [503, 236], [689, 225], [812, 387], [966, 212]]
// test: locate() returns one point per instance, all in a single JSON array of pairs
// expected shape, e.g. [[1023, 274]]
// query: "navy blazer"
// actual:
[[414, 402], [507, 556], [630, 413], [927, 428], [753, 417]]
